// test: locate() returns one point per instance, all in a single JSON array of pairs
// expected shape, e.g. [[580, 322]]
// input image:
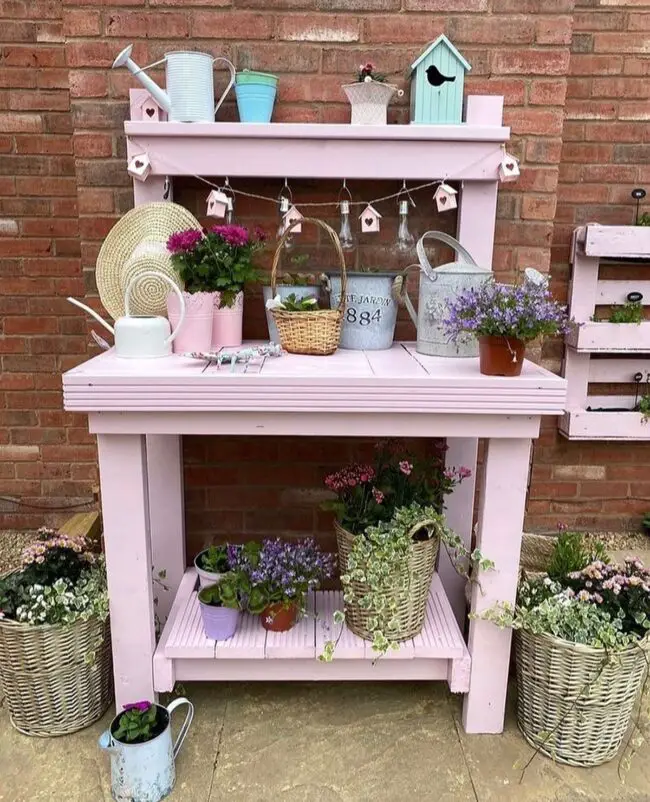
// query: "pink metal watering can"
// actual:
[[190, 84]]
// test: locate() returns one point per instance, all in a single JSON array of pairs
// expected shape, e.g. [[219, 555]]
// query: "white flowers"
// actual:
[[275, 303]]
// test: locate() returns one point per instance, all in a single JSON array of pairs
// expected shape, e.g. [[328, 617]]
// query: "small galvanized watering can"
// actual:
[[439, 286], [145, 772], [190, 84], [141, 336]]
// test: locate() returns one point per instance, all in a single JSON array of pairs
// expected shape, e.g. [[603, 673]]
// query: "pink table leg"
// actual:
[[165, 472], [125, 511], [500, 522]]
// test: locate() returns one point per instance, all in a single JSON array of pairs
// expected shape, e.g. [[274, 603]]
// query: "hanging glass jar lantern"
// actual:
[[346, 238], [405, 240]]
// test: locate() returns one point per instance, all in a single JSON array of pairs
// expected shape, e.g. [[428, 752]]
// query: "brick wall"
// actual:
[[64, 184]]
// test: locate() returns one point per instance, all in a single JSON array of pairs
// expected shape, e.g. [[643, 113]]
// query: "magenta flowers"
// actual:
[[233, 235], [184, 240]]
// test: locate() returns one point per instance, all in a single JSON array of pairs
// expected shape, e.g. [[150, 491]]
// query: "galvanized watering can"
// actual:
[[145, 772], [190, 84], [439, 286]]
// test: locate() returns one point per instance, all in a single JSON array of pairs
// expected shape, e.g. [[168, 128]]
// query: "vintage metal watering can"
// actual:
[[190, 84], [438, 286], [145, 772], [141, 336]]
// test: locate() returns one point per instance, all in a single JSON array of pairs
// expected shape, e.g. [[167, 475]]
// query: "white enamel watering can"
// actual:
[[439, 286], [190, 84], [141, 336], [145, 772]]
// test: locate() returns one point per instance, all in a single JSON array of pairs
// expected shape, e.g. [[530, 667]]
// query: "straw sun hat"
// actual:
[[138, 243]]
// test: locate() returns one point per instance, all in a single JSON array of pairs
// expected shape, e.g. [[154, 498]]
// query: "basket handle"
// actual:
[[425, 523], [335, 241]]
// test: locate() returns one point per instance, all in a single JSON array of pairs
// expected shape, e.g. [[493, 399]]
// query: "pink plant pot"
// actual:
[[196, 332], [227, 322], [219, 623]]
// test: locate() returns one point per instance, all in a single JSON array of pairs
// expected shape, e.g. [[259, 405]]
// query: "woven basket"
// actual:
[[552, 674], [412, 604], [317, 333], [49, 686]]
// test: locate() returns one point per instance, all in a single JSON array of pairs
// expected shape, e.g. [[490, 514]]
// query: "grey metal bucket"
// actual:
[[439, 286], [370, 310], [300, 290]]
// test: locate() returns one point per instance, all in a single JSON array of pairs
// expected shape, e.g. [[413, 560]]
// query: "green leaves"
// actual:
[[136, 725]]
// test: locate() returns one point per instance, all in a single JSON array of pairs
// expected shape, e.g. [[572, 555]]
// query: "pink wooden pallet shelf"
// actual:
[[611, 338], [186, 653]]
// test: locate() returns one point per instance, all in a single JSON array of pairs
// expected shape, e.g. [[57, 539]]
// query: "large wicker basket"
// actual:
[[317, 333], [52, 683], [570, 706], [411, 605]]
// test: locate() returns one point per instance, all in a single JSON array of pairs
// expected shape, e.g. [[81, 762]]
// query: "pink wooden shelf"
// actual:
[[605, 337], [617, 242], [185, 652], [470, 151], [584, 424]]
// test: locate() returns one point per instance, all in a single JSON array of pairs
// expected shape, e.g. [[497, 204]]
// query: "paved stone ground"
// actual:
[[344, 742]]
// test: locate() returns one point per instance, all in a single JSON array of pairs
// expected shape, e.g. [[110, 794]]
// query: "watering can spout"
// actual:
[[106, 743], [160, 96]]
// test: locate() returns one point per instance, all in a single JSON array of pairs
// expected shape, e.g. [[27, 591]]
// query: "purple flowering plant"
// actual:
[[216, 260], [281, 571], [139, 722], [369, 494], [523, 312]]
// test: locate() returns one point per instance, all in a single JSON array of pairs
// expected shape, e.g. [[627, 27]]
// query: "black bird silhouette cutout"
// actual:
[[436, 78]]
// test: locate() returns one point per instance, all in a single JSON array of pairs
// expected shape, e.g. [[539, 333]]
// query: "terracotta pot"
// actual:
[[279, 617], [501, 356]]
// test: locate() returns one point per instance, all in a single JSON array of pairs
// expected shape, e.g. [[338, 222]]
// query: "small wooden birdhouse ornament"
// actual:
[[139, 167], [445, 198], [151, 110], [292, 216], [370, 218], [437, 83], [218, 203], [509, 168]]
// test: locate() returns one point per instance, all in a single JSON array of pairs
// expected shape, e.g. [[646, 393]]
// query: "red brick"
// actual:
[[380, 29], [80, 23], [30, 9], [89, 54], [538, 207], [554, 31], [37, 101], [93, 145], [88, 84], [547, 122], [492, 31], [623, 42], [18, 123], [613, 131], [34, 56], [14, 77], [46, 186], [590, 109], [535, 62], [161, 25], [588, 64], [318, 28], [512, 89], [232, 25], [446, 5], [95, 200], [547, 92]]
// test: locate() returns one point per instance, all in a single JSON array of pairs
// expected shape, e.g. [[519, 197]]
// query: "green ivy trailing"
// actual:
[[377, 560]]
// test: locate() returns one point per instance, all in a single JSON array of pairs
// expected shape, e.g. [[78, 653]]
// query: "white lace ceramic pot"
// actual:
[[196, 332], [369, 101]]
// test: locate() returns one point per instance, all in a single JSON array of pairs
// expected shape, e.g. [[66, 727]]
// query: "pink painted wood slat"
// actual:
[[605, 337], [617, 241], [615, 292]]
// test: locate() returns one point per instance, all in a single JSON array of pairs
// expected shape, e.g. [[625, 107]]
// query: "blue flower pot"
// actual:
[[255, 96]]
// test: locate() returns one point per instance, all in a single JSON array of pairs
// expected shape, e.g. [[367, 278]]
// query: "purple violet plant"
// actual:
[[522, 312]]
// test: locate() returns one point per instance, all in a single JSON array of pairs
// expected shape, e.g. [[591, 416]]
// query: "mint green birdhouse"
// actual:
[[437, 83]]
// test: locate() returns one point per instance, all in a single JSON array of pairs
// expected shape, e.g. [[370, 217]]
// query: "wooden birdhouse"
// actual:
[[437, 83], [509, 168], [370, 218], [139, 167], [292, 216], [217, 203], [445, 198], [145, 107]]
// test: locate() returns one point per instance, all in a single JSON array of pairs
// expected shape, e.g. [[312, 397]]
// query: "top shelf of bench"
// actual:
[[469, 151]]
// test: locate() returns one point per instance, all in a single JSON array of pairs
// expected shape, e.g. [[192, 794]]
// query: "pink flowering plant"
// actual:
[[369, 494], [216, 260], [367, 72], [139, 722]]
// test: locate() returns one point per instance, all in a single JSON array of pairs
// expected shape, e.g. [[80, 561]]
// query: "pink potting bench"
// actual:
[[140, 410]]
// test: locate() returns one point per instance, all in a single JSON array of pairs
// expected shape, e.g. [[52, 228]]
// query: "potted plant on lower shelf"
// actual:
[[217, 262], [582, 647], [55, 650], [505, 318], [280, 579], [221, 603], [139, 742]]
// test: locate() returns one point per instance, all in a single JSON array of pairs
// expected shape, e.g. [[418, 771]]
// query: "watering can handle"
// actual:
[[172, 284], [448, 240], [231, 67], [149, 66], [401, 295], [186, 724]]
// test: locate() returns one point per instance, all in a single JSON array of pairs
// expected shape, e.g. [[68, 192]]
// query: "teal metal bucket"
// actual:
[[255, 93]]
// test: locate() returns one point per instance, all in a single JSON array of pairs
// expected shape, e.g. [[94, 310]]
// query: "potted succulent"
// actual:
[[215, 263], [220, 605], [139, 742], [582, 647], [369, 96], [280, 577], [504, 318], [211, 564], [54, 613]]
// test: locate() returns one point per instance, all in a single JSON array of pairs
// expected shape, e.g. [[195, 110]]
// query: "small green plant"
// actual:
[[294, 304], [630, 312], [644, 219], [214, 559], [572, 553], [138, 723], [233, 590], [643, 406], [646, 523]]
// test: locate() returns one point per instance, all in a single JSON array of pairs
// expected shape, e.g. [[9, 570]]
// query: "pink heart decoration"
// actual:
[[443, 200], [139, 164], [150, 112], [367, 221], [510, 166]]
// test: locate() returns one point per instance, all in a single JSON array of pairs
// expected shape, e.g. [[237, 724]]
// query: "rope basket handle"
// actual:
[[425, 523], [335, 241]]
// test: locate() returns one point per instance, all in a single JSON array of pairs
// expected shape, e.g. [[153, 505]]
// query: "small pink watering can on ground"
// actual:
[[141, 336]]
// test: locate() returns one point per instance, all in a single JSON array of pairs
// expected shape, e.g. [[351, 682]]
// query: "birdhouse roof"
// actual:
[[293, 212], [446, 189], [147, 99], [369, 209], [442, 39], [215, 192]]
